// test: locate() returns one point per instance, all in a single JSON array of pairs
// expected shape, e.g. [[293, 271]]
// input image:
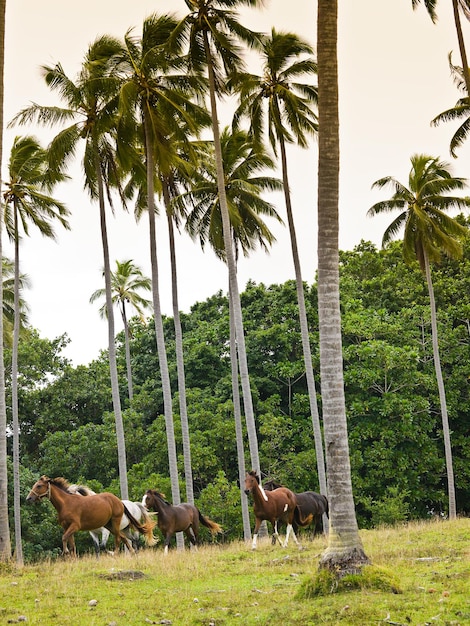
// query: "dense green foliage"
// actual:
[[397, 456]]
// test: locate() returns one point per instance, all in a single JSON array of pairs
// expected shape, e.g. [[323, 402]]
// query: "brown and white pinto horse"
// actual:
[[271, 506], [78, 513]]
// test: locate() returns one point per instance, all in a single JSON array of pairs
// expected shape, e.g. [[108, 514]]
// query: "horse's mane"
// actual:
[[159, 495], [255, 475], [58, 482]]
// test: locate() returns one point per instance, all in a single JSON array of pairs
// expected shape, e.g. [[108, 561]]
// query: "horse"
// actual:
[[78, 513], [172, 519], [277, 505], [136, 509], [310, 503]]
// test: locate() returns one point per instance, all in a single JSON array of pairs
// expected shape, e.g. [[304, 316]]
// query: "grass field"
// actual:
[[231, 584]]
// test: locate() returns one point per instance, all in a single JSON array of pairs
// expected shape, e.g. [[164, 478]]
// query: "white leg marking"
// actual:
[[255, 539]]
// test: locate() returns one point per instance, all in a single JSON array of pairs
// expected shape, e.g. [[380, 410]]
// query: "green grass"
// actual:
[[428, 564]]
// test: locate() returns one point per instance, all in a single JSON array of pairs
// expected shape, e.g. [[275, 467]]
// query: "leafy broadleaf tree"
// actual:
[[344, 552], [428, 233], [126, 282], [91, 104], [213, 30], [287, 103], [26, 202]]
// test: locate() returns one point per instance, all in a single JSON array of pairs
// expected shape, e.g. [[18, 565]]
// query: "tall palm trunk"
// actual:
[[232, 272], [127, 347], [160, 338], [5, 541], [188, 470], [463, 53], [121, 443], [344, 552], [442, 393], [238, 424], [14, 400], [312, 394]]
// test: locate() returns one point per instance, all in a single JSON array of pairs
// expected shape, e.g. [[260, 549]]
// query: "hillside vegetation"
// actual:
[[429, 564]]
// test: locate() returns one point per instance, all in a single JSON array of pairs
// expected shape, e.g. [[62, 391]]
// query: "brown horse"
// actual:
[[273, 506], [311, 507], [177, 518], [78, 513]]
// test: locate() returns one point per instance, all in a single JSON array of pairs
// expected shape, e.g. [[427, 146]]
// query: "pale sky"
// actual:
[[394, 78]]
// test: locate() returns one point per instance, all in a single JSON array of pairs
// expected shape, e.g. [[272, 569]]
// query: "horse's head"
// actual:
[[41, 489], [153, 498], [251, 480]]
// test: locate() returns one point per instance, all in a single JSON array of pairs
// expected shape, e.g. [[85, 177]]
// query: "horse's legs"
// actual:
[[255, 533], [275, 533], [96, 542], [68, 542], [192, 536], [290, 530]]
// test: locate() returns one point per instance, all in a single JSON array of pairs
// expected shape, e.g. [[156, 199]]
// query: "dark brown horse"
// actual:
[[177, 518], [78, 513], [312, 506], [272, 506]]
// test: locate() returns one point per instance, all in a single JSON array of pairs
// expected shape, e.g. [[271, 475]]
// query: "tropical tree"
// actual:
[[126, 282], [8, 273], [344, 552], [428, 233], [288, 105], [158, 100], [244, 188], [212, 29], [91, 105], [457, 5], [26, 202], [5, 541]]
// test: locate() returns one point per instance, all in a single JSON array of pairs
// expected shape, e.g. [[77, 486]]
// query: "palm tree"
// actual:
[[91, 106], [157, 99], [5, 541], [126, 282], [428, 232], [461, 111], [8, 318], [26, 202], [288, 104], [344, 552], [211, 27], [244, 187], [464, 5]]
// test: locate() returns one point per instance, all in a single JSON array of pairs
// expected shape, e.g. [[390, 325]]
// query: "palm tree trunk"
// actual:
[[120, 438], [160, 338], [5, 541], [127, 342], [232, 272], [238, 425], [442, 393], [188, 470], [463, 53], [344, 552], [312, 394], [14, 403]]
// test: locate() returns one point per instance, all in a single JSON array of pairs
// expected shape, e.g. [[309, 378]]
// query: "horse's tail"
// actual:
[[145, 529], [208, 523], [300, 520]]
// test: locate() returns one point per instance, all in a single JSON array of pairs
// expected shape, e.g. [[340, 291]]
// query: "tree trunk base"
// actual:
[[344, 563]]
